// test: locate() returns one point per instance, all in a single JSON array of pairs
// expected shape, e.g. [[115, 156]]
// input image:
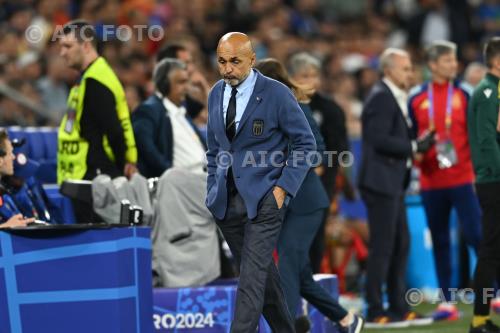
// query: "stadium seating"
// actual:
[[41, 146]]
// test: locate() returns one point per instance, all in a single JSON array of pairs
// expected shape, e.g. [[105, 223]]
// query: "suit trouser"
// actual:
[[488, 263], [294, 265], [252, 243], [438, 204], [388, 253]]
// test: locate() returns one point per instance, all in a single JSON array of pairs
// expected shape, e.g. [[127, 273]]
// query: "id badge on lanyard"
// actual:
[[70, 121], [71, 112], [445, 149]]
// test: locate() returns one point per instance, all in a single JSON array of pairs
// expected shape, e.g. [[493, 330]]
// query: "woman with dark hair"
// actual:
[[302, 220]]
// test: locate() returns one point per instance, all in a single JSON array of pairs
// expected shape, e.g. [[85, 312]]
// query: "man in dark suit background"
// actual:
[[253, 121], [384, 173], [165, 136], [170, 147], [198, 88]]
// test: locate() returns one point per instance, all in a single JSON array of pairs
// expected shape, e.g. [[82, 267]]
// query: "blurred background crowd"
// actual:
[[348, 36]]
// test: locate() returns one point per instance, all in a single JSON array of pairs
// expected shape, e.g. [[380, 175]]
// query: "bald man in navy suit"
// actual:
[[255, 123]]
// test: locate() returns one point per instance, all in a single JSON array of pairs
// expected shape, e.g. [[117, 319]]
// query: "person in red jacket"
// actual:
[[446, 173]]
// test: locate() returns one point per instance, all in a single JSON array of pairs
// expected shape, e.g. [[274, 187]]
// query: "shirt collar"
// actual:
[[395, 90], [172, 108], [88, 66], [493, 78], [247, 83]]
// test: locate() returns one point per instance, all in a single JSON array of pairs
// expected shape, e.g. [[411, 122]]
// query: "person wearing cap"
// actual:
[[446, 174], [10, 215], [96, 135]]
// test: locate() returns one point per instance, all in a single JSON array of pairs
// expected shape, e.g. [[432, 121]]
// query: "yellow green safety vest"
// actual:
[[72, 148]]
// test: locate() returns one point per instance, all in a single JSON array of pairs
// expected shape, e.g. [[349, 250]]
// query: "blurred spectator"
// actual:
[[198, 88], [345, 96], [53, 88], [133, 96], [165, 134], [306, 70], [366, 78], [335, 31], [30, 66], [439, 20], [488, 14], [473, 74]]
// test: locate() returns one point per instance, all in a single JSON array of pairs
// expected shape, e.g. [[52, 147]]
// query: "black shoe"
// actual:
[[356, 325], [416, 319], [386, 322], [489, 327], [302, 324]]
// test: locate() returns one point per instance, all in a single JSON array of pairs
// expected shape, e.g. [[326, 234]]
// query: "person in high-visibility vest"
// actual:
[[95, 135]]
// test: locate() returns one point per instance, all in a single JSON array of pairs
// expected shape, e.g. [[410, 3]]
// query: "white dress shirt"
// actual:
[[188, 150], [401, 97]]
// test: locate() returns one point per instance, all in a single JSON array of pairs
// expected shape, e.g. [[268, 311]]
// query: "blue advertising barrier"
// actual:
[[61, 279], [210, 309]]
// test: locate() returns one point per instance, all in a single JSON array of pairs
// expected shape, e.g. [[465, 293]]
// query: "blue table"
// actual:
[[74, 278]]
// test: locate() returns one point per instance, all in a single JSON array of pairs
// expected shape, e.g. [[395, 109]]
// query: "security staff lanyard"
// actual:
[[449, 110]]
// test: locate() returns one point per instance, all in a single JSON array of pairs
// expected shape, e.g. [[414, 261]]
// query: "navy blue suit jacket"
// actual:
[[311, 195], [271, 122], [386, 144], [154, 137]]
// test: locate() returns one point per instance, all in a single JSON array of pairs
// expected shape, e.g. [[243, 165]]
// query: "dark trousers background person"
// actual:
[[488, 263], [438, 204], [295, 267], [388, 254]]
